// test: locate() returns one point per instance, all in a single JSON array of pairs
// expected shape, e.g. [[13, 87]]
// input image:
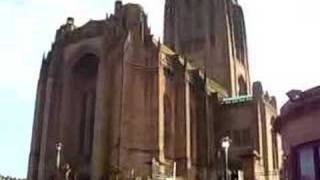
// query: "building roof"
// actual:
[[301, 100], [299, 103]]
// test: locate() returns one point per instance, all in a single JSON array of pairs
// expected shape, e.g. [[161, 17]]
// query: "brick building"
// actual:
[[118, 100], [298, 126]]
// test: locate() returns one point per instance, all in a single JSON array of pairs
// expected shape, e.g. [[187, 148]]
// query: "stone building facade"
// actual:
[[118, 100], [298, 124]]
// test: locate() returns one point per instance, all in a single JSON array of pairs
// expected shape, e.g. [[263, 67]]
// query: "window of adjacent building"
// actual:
[[308, 161], [318, 149], [306, 164]]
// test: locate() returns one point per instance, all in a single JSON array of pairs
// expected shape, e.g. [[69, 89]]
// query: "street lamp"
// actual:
[[58, 148], [225, 144]]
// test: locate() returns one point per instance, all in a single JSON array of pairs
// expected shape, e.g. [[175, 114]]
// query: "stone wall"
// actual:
[[100, 119]]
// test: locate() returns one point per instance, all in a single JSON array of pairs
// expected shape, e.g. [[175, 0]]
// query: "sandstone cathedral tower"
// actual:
[[123, 105], [213, 33]]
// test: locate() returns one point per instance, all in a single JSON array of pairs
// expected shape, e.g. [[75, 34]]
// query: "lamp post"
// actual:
[[58, 148], [225, 144]]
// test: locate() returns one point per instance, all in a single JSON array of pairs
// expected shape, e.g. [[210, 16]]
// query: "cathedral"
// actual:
[[114, 103]]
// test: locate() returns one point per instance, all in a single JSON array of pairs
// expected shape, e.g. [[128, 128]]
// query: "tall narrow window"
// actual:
[[168, 136], [243, 90], [239, 34], [275, 151], [91, 122], [83, 121], [246, 137], [306, 164], [85, 76], [236, 137]]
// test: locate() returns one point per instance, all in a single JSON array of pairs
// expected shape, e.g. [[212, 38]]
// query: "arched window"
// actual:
[[239, 33], [85, 79], [242, 90]]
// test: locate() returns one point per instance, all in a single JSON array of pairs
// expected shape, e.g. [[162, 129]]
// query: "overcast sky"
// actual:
[[283, 38]]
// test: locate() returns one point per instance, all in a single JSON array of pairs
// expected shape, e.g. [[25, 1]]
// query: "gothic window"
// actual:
[[169, 10], [167, 125], [83, 121], [92, 117], [239, 34], [275, 148], [241, 137], [246, 137], [236, 138], [85, 76], [242, 90]]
